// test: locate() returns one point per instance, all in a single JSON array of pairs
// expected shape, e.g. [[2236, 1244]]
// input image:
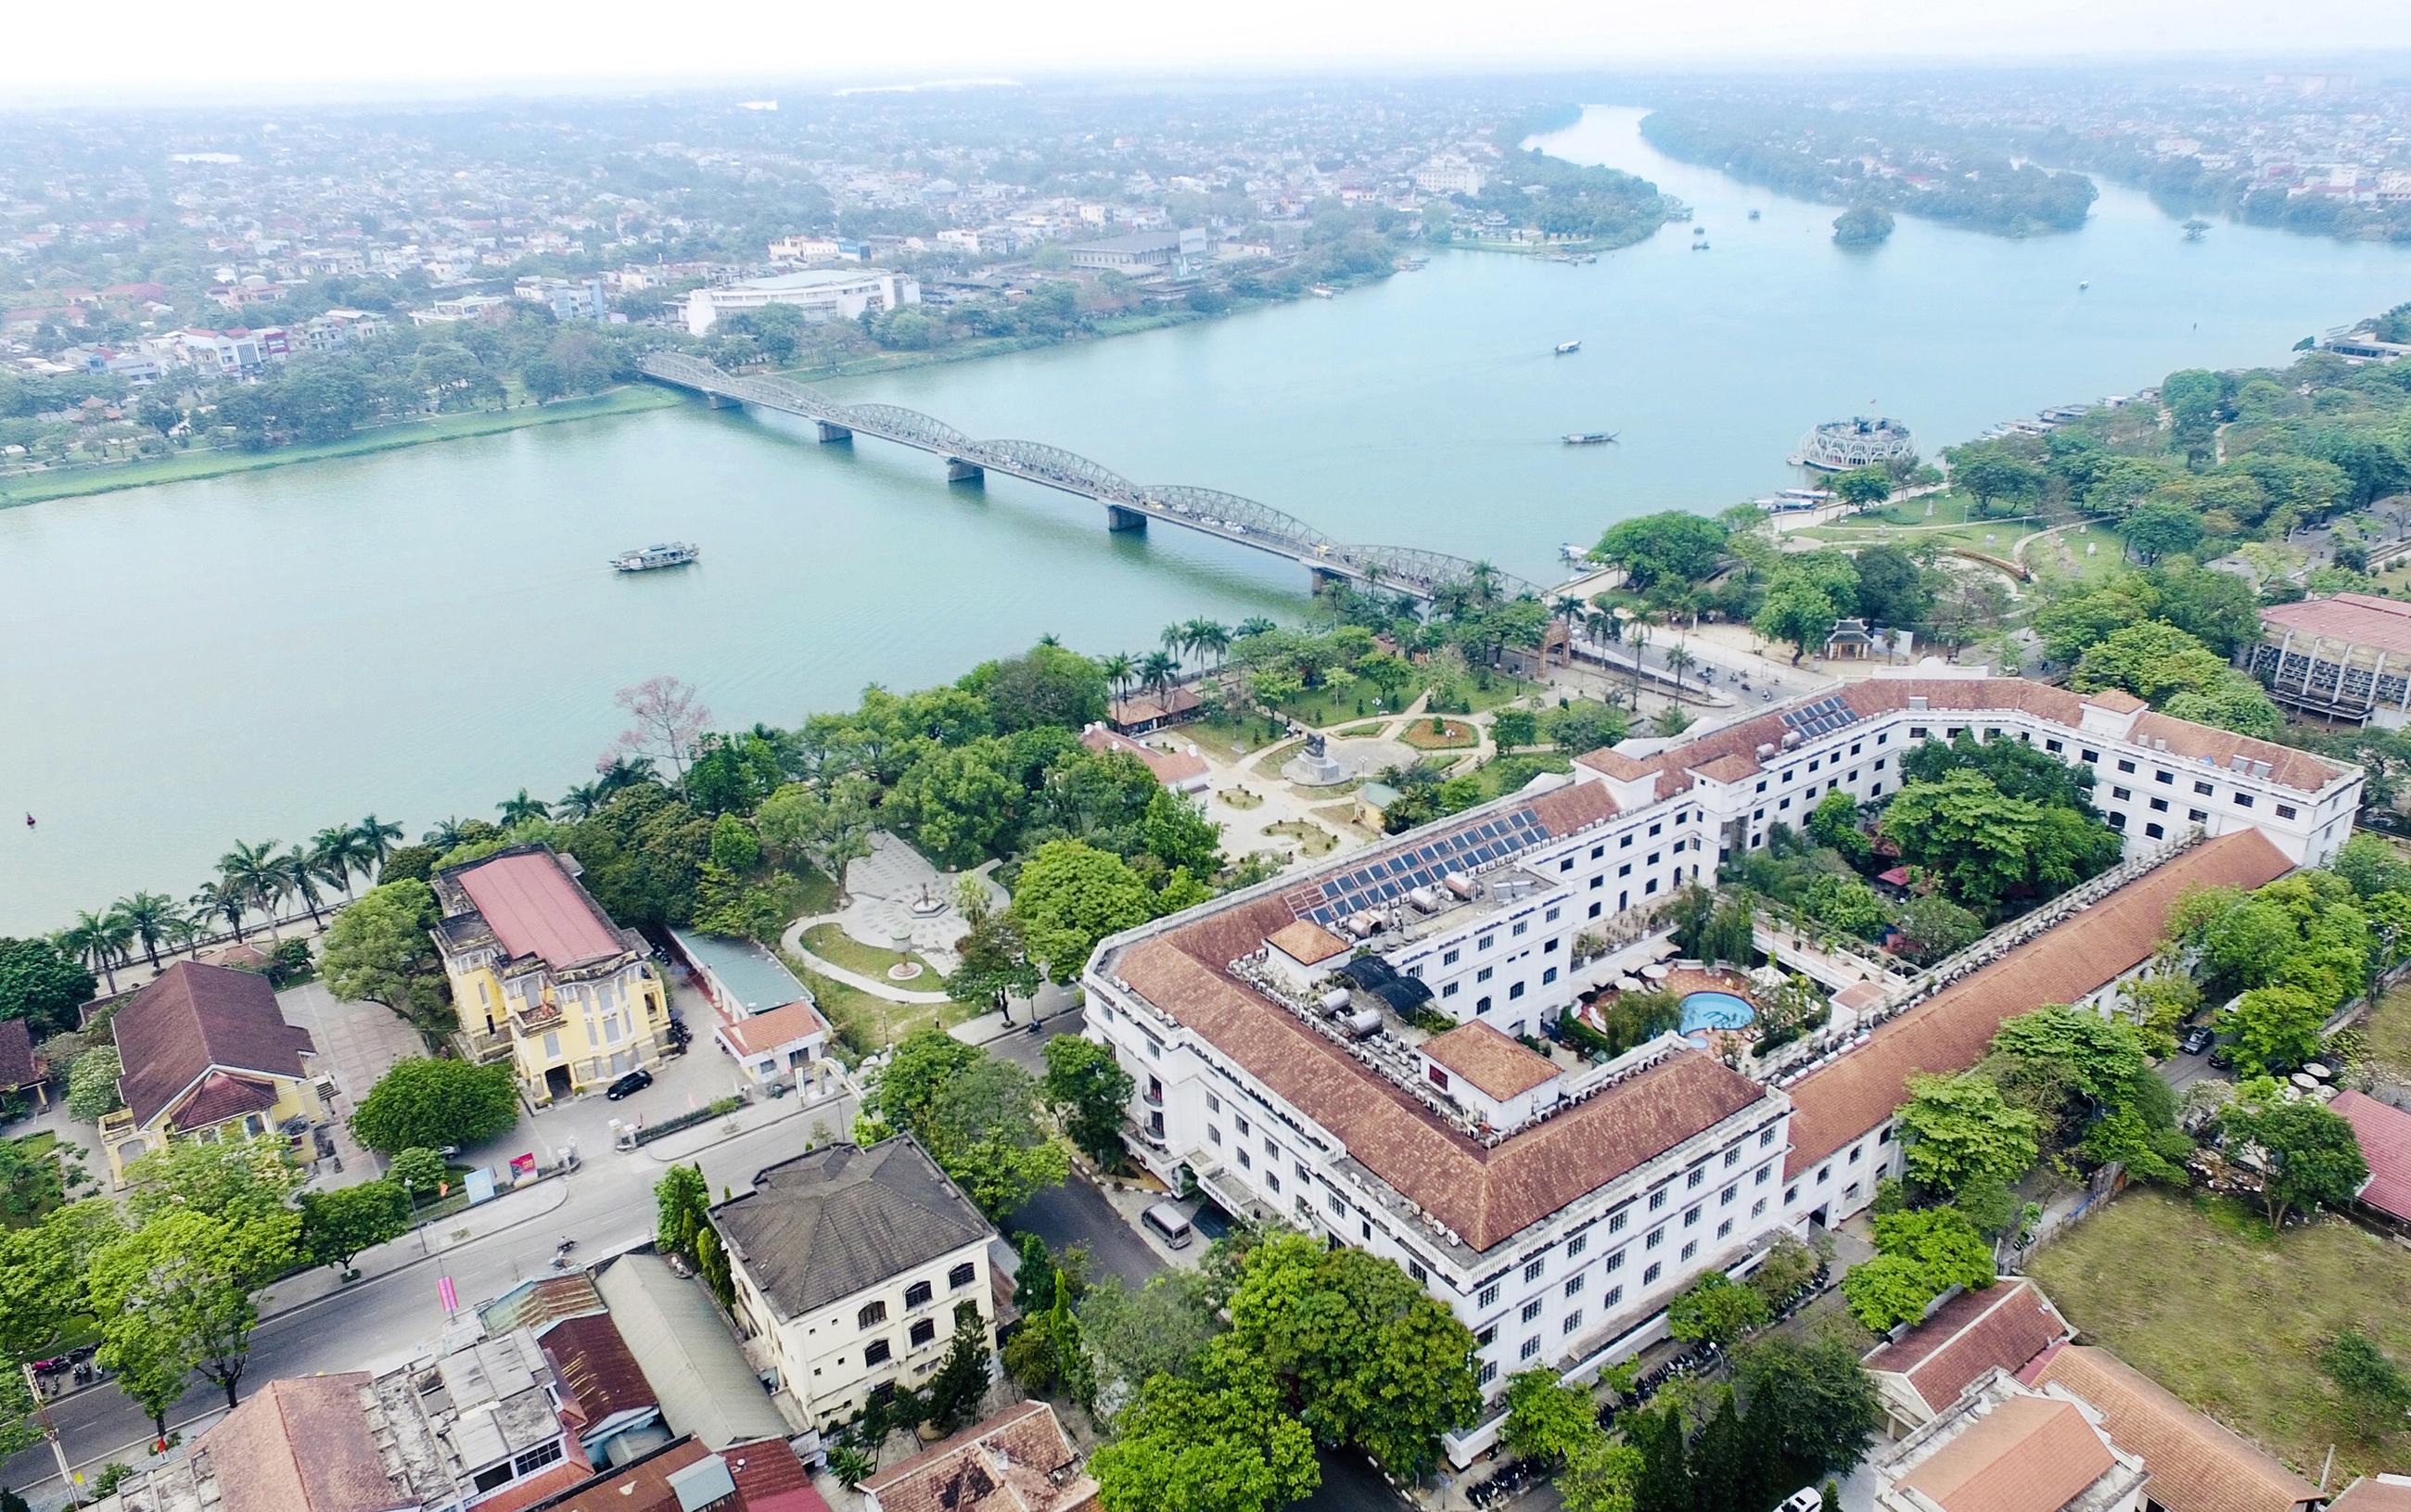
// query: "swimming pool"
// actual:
[[1715, 1010]]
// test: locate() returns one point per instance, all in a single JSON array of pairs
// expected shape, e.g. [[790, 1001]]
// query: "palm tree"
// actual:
[[186, 930], [377, 840], [150, 919], [1482, 579], [1118, 669], [301, 876], [336, 853], [625, 772], [97, 940], [1176, 639], [216, 900], [521, 808], [257, 873], [582, 800], [445, 834], [1211, 635], [1677, 661], [1640, 641], [1255, 625], [1157, 672]]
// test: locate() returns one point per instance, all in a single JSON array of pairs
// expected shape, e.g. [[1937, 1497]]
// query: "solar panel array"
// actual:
[[1821, 718], [1384, 882]]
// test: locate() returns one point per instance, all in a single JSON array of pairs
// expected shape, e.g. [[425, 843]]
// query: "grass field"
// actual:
[[1453, 735], [74, 483], [1312, 839], [831, 943], [1220, 735], [866, 1021], [2388, 1029], [2201, 1299]]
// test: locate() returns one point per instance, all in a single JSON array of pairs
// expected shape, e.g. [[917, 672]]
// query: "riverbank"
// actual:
[[72, 483], [995, 346]]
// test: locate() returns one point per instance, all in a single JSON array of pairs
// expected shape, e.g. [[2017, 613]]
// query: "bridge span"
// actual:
[[1129, 506]]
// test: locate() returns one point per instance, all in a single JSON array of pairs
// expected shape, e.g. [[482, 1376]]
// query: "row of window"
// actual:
[[916, 1295]]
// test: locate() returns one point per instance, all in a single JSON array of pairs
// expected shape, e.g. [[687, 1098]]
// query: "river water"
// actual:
[[421, 632]]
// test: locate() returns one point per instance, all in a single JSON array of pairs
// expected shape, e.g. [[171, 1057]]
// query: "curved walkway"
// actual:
[[793, 941]]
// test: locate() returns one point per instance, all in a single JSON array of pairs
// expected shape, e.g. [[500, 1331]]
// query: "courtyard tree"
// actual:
[[1920, 1252], [1136, 1334], [1798, 612], [2311, 1156], [1070, 895], [975, 1114], [1090, 1093], [1959, 1131], [2275, 1030], [1716, 1309], [237, 1180], [826, 825], [421, 1101], [186, 1286], [1822, 1402], [336, 1226], [1224, 1440], [378, 951], [92, 1084], [992, 962], [1546, 1418]]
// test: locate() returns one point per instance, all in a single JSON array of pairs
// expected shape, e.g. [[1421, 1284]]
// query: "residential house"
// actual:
[[21, 1070], [1017, 1460], [1919, 1373], [2385, 1134], [542, 977], [1141, 712], [206, 1055], [762, 1017], [848, 1264], [304, 1445], [2195, 1464], [1182, 770], [683, 1476], [2008, 1447]]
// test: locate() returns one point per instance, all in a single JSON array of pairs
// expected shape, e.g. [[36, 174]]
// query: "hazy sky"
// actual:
[[263, 50]]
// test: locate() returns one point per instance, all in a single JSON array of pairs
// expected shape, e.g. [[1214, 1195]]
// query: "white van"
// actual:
[[1169, 1224]]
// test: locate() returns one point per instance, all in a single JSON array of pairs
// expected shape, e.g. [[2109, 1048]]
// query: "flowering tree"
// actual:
[[665, 718]]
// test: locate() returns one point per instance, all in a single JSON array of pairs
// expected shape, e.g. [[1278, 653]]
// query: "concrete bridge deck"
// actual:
[[1227, 517]]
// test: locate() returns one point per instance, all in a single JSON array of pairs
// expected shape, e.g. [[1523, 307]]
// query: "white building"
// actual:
[[568, 299], [338, 328], [821, 294], [1449, 176], [467, 307], [1557, 1209], [763, 1018], [848, 1264]]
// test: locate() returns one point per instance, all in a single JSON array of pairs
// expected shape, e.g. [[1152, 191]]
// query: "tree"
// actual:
[[1787, 1267], [186, 1284], [237, 1180], [2276, 1028], [681, 1204], [1989, 474], [1920, 1252], [340, 1224], [2311, 1156], [1546, 1420], [420, 1172], [1161, 1329], [1798, 612], [1984, 843], [1959, 1130], [976, 1115], [665, 718], [1046, 1354], [1817, 1393], [1716, 1309], [1893, 589], [1599, 1475], [1375, 1361], [41, 984], [2159, 528], [1225, 1442], [993, 965], [434, 1103], [1674, 545], [92, 1084], [1070, 897], [255, 874], [378, 951], [826, 825], [1045, 686], [1091, 1093], [1862, 226], [961, 1381], [2376, 1391], [1663, 1480]]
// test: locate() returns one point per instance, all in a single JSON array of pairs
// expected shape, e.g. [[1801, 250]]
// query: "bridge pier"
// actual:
[[1118, 519], [827, 431], [958, 470], [722, 402], [1325, 578]]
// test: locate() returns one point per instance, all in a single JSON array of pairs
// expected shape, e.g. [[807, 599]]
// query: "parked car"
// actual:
[[2223, 1057], [630, 1085], [1806, 1499], [2197, 1038]]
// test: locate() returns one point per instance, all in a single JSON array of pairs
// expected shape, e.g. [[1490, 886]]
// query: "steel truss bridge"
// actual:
[[1129, 506]]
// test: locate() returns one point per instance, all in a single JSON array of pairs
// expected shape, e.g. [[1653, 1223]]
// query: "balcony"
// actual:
[[1152, 1097]]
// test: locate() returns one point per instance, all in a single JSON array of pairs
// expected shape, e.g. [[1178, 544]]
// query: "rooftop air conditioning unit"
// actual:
[[1791, 738]]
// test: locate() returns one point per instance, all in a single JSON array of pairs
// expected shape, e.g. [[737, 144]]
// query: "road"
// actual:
[[380, 1322]]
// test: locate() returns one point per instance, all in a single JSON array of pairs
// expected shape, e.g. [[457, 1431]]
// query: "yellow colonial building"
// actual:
[[205, 1053], [543, 978]]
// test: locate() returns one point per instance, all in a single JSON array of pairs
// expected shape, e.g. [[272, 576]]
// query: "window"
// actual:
[[2165, 779], [1696, 1177], [1483, 975], [1487, 1296], [1486, 942], [1450, 990], [1657, 1237], [1615, 1261], [1577, 1244], [1724, 1228], [1488, 1336], [2243, 800], [1449, 957], [1531, 1310], [1792, 1193], [1691, 1248], [1534, 1271], [1758, 1209], [1243, 1127], [1573, 1321], [917, 1294], [1690, 1217], [537, 1459], [1724, 1198], [1531, 1347], [2121, 793], [1338, 1209], [1766, 1136], [872, 1316], [1574, 1286], [1551, 917], [1615, 1221], [924, 1330], [1415, 1270], [1487, 1374], [1482, 1005], [1614, 1295], [1658, 1200], [1213, 1135], [1549, 975], [1649, 1277], [1593, 908], [1515, 991], [1522, 926], [2155, 831], [1765, 1173], [2203, 789], [1246, 1161], [2159, 806], [1272, 1179], [877, 1353], [960, 1277], [2285, 811], [1732, 1157]]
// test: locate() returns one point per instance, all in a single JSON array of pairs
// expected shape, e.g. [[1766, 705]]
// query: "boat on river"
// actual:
[[654, 558], [1590, 438], [1567, 349]]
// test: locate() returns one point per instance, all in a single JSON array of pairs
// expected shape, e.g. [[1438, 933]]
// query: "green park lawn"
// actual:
[[1502, 776], [2389, 1030], [866, 1021], [65, 483], [831, 943], [2200, 1298], [1220, 735], [1453, 735]]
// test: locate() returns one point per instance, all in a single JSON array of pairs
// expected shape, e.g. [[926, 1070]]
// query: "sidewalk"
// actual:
[[507, 1210], [837, 1109]]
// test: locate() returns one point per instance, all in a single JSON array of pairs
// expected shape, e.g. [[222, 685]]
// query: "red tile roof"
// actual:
[[769, 1477], [1951, 1030], [2354, 618], [219, 1096], [785, 1024], [535, 908], [2004, 1326], [2384, 1135], [1305, 943], [2196, 1465], [598, 1373], [16, 1055], [1496, 1065], [302, 1444], [2375, 1493], [195, 1019], [1171, 767], [2027, 1454]]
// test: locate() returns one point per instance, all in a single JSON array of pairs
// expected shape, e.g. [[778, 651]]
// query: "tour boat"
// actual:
[[1324, 291], [1589, 438], [672, 554], [1566, 349]]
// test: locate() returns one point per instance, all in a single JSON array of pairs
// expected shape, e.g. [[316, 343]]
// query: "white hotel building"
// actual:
[[1557, 1211], [820, 293]]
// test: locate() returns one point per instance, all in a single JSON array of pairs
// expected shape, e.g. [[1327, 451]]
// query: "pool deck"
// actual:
[[1683, 981]]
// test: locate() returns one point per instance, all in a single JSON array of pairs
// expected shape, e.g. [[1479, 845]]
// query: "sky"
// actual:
[[155, 50]]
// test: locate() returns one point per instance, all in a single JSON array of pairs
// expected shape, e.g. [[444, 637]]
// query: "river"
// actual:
[[421, 632]]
